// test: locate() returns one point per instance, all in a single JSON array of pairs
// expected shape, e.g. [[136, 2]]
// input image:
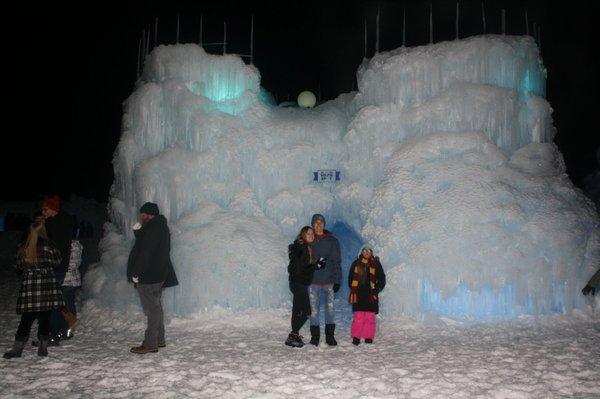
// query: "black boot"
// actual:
[[329, 338], [294, 340], [356, 341], [315, 335], [43, 345], [17, 348]]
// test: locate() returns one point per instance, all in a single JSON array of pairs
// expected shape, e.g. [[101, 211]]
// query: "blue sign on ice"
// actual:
[[326, 176]]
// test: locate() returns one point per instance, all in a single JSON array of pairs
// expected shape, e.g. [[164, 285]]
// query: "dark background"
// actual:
[[70, 67]]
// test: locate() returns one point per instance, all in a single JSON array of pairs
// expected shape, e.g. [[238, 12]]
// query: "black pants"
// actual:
[[300, 305], [27, 321]]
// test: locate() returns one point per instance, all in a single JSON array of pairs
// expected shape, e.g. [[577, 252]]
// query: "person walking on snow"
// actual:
[[366, 280], [150, 269], [301, 269], [40, 291], [59, 227], [326, 282]]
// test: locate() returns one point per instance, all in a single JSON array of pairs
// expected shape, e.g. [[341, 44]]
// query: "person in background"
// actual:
[[40, 292], [366, 280], [326, 281], [590, 287], [59, 227], [301, 269], [71, 283], [150, 269]]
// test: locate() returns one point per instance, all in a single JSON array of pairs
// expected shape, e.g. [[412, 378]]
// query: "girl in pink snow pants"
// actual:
[[366, 280]]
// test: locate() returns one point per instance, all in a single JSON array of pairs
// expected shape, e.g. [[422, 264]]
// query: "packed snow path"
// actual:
[[222, 354]]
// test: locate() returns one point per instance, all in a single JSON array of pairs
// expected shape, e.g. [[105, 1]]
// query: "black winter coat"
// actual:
[[150, 257], [60, 231], [364, 290], [300, 269]]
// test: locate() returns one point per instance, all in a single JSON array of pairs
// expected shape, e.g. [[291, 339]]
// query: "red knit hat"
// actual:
[[52, 202]]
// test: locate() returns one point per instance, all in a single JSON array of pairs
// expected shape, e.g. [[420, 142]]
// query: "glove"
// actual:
[[137, 226], [135, 279], [588, 289], [336, 287], [321, 263]]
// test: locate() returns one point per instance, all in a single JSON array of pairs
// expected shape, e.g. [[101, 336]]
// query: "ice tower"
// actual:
[[447, 164]]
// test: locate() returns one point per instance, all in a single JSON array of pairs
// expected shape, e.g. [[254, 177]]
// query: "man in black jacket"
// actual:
[[59, 227], [150, 269]]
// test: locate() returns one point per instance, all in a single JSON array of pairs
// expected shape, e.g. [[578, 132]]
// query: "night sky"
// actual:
[[72, 68]]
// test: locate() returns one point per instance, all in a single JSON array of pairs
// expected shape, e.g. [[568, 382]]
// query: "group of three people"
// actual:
[[315, 272], [48, 262]]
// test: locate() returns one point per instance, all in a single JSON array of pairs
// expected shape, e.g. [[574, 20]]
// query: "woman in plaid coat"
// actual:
[[40, 291]]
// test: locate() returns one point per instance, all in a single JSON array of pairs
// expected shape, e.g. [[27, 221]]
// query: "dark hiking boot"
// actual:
[[329, 334], [17, 349], [140, 350], [356, 341], [315, 335], [294, 340], [163, 345], [368, 341], [43, 345]]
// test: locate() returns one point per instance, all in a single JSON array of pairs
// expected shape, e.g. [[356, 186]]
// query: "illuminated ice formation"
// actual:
[[447, 169]]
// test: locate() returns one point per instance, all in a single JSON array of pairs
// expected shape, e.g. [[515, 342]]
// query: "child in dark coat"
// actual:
[[366, 280]]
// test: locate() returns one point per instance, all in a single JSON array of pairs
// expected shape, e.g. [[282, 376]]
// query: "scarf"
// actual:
[[367, 265]]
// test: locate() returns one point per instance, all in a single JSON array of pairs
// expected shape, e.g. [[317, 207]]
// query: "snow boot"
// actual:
[[17, 348], [315, 335], [43, 345], [329, 338], [294, 340], [356, 341], [368, 341]]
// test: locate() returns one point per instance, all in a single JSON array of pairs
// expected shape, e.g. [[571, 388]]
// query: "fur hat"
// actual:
[[150, 208]]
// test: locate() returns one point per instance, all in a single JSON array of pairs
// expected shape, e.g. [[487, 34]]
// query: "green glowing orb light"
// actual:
[[306, 99]]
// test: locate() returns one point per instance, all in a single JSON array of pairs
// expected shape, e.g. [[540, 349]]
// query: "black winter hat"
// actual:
[[150, 208], [315, 217]]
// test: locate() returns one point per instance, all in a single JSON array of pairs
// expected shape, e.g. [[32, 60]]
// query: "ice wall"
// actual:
[[447, 170]]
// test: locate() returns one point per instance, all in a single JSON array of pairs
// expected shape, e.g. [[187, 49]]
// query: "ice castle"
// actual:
[[446, 167]]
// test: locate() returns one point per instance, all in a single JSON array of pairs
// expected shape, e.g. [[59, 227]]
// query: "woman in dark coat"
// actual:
[[366, 280], [301, 268], [40, 291]]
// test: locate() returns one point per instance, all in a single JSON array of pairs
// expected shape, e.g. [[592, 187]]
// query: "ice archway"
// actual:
[[448, 170]]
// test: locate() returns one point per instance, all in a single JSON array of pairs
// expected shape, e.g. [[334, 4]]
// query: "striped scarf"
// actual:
[[364, 264]]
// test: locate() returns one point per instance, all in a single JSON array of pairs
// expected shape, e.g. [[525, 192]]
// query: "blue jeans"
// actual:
[[315, 294]]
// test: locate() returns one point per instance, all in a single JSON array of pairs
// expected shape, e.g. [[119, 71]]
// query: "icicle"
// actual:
[[148, 42], [503, 21], [457, 17], [404, 27], [365, 37], [177, 35], [430, 23], [224, 37], [526, 23], [200, 39], [137, 72], [155, 31], [377, 33], [252, 40], [483, 17], [143, 50]]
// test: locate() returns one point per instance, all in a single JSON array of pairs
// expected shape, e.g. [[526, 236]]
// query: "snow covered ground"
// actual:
[[240, 355]]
